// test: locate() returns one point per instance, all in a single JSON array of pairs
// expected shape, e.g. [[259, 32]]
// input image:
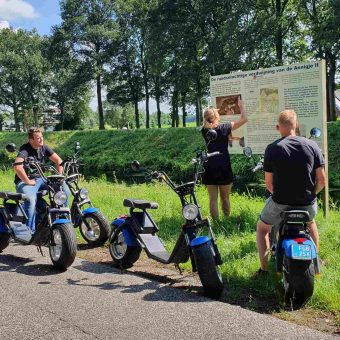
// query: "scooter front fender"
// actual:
[[61, 221], [120, 225], [89, 210], [197, 241]]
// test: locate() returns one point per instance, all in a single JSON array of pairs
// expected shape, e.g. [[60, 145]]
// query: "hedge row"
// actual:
[[110, 152]]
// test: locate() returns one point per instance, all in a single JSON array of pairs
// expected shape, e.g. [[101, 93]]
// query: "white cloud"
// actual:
[[16, 9], [4, 24]]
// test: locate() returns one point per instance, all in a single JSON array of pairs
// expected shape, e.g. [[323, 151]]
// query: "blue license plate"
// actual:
[[301, 251]]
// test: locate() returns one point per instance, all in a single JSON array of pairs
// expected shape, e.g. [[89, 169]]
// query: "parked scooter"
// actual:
[[138, 230], [294, 251], [93, 225], [53, 225]]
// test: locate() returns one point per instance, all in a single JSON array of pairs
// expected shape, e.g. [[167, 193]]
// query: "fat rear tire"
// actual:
[[123, 256], [4, 240], [64, 251], [208, 271], [99, 226], [298, 282]]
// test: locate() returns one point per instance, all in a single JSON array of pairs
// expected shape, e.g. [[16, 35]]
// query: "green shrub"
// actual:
[[109, 153]]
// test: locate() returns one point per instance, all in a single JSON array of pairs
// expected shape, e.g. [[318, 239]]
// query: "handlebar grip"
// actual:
[[212, 154], [257, 167]]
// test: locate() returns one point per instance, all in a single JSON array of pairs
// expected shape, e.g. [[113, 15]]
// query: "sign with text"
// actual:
[[265, 93]]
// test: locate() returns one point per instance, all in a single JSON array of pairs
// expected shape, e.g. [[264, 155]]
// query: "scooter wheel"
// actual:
[[208, 271], [99, 230], [123, 256], [298, 282], [64, 249], [4, 240]]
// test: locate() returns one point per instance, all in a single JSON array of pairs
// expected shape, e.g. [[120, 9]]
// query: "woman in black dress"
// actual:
[[218, 175]]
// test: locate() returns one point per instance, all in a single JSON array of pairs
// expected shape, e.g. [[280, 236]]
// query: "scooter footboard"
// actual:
[[299, 248]]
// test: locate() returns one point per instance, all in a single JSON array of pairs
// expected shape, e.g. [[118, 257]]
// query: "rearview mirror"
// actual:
[[315, 132], [211, 135], [77, 147], [247, 151], [10, 147], [135, 166]]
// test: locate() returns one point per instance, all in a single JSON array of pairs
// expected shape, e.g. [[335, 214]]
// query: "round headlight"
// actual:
[[60, 198], [190, 212], [83, 193]]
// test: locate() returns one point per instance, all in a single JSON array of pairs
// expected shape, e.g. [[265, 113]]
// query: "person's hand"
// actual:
[[241, 106], [31, 182]]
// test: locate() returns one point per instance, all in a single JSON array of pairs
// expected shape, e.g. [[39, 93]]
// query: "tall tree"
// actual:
[[92, 31], [323, 17], [68, 81], [22, 75]]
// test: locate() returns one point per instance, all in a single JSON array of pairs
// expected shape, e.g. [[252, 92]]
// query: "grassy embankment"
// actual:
[[236, 241]]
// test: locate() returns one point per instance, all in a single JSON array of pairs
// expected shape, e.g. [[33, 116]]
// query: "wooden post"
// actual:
[[325, 193]]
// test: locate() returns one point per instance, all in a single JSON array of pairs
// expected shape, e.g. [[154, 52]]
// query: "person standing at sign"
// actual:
[[218, 175], [294, 175]]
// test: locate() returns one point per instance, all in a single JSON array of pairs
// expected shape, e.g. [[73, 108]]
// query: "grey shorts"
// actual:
[[271, 212]]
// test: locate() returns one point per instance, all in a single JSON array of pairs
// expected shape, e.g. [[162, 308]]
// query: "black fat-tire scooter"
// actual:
[[138, 230], [53, 225], [294, 251], [93, 225]]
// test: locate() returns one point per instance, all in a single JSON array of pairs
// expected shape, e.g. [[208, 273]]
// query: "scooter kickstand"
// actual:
[[40, 251], [179, 268]]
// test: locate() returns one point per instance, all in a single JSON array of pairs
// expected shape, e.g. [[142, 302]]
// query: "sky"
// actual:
[[29, 14]]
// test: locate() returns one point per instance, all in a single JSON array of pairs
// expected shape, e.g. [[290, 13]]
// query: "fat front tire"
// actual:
[[208, 271], [4, 240], [99, 229], [298, 282], [64, 249], [123, 256]]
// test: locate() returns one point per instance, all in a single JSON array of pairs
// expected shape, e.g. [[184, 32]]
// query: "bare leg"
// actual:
[[224, 197], [262, 241], [314, 233], [213, 200]]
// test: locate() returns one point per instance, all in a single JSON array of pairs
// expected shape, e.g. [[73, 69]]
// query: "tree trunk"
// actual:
[[35, 116], [278, 33], [159, 123], [198, 101], [136, 114], [175, 118], [100, 104], [16, 118], [331, 69], [62, 114], [147, 109], [184, 112]]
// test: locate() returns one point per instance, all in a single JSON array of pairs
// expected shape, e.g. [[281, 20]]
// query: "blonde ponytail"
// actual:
[[210, 115]]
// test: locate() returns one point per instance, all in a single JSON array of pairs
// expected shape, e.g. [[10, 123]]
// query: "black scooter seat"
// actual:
[[13, 196], [139, 204]]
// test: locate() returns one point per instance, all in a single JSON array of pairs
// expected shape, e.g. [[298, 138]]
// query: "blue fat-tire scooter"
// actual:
[[138, 231], [294, 251], [93, 225], [53, 223]]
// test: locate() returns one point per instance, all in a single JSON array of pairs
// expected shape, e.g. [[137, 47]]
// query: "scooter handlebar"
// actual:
[[212, 154], [259, 166]]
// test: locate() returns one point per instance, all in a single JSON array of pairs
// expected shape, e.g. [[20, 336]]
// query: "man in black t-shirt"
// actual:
[[294, 175], [30, 183]]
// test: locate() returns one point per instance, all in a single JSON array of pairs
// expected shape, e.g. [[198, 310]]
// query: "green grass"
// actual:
[[235, 237]]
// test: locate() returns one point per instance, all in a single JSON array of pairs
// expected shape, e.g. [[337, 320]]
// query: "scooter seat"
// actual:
[[13, 196], [139, 204]]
